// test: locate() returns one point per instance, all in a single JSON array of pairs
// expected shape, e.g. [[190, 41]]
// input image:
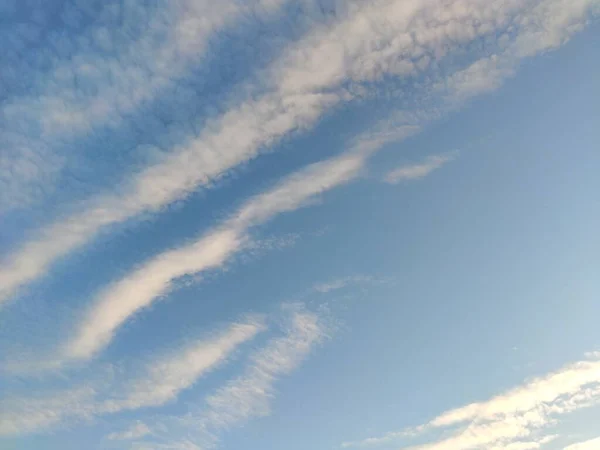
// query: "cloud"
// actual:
[[527, 445], [381, 440], [98, 76], [592, 444], [332, 63], [159, 382], [166, 378], [515, 417], [420, 170], [370, 42], [249, 395], [26, 415], [136, 431], [154, 278], [542, 26], [340, 283], [180, 445]]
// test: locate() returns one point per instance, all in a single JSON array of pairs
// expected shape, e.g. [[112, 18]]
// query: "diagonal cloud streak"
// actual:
[[154, 278], [412, 172], [248, 395], [592, 444], [327, 66], [103, 75], [160, 382], [167, 377], [513, 418]]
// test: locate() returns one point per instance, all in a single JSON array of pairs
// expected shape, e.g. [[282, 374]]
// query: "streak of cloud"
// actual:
[[310, 78], [250, 394], [154, 278], [162, 380], [514, 418], [420, 170]]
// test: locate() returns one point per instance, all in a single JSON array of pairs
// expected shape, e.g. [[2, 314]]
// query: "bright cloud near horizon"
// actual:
[[318, 224]]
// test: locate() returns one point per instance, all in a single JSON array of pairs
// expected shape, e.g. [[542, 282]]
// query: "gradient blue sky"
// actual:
[[305, 225]]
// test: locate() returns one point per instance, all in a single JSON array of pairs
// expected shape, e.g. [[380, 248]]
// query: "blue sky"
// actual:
[[318, 224]]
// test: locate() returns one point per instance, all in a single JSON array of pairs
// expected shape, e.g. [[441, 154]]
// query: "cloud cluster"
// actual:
[[368, 43], [159, 382], [592, 444], [26, 415], [97, 75], [165, 377], [136, 431], [210, 251], [419, 52], [515, 419], [249, 394]]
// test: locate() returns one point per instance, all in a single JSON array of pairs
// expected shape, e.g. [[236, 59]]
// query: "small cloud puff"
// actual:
[[411, 172], [136, 431]]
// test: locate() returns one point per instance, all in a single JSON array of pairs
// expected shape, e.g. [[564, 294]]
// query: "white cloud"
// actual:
[[527, 445], [25, 415], [184, 444], [420, 170], [542, 26], [136, 431], [516, 417], [553, 391], [122, 299], [160, 381], [102, 75], [340, 283], [173, 40], [367, 41], [250, 394], [380, 440], [392, 437], [154, 278], [164, 379], [592, 444]]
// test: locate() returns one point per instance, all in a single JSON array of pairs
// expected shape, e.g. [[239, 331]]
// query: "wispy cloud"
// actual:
[[158, 382], [309, 78], [420, 170], [250, 394], [514, 418], [164, 379], [26, 415], [340, 283], [392, 436], [154, 278], [592, 444], [533, 444], [98, 76], [136, 431], [542, 26], [367, 47]]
